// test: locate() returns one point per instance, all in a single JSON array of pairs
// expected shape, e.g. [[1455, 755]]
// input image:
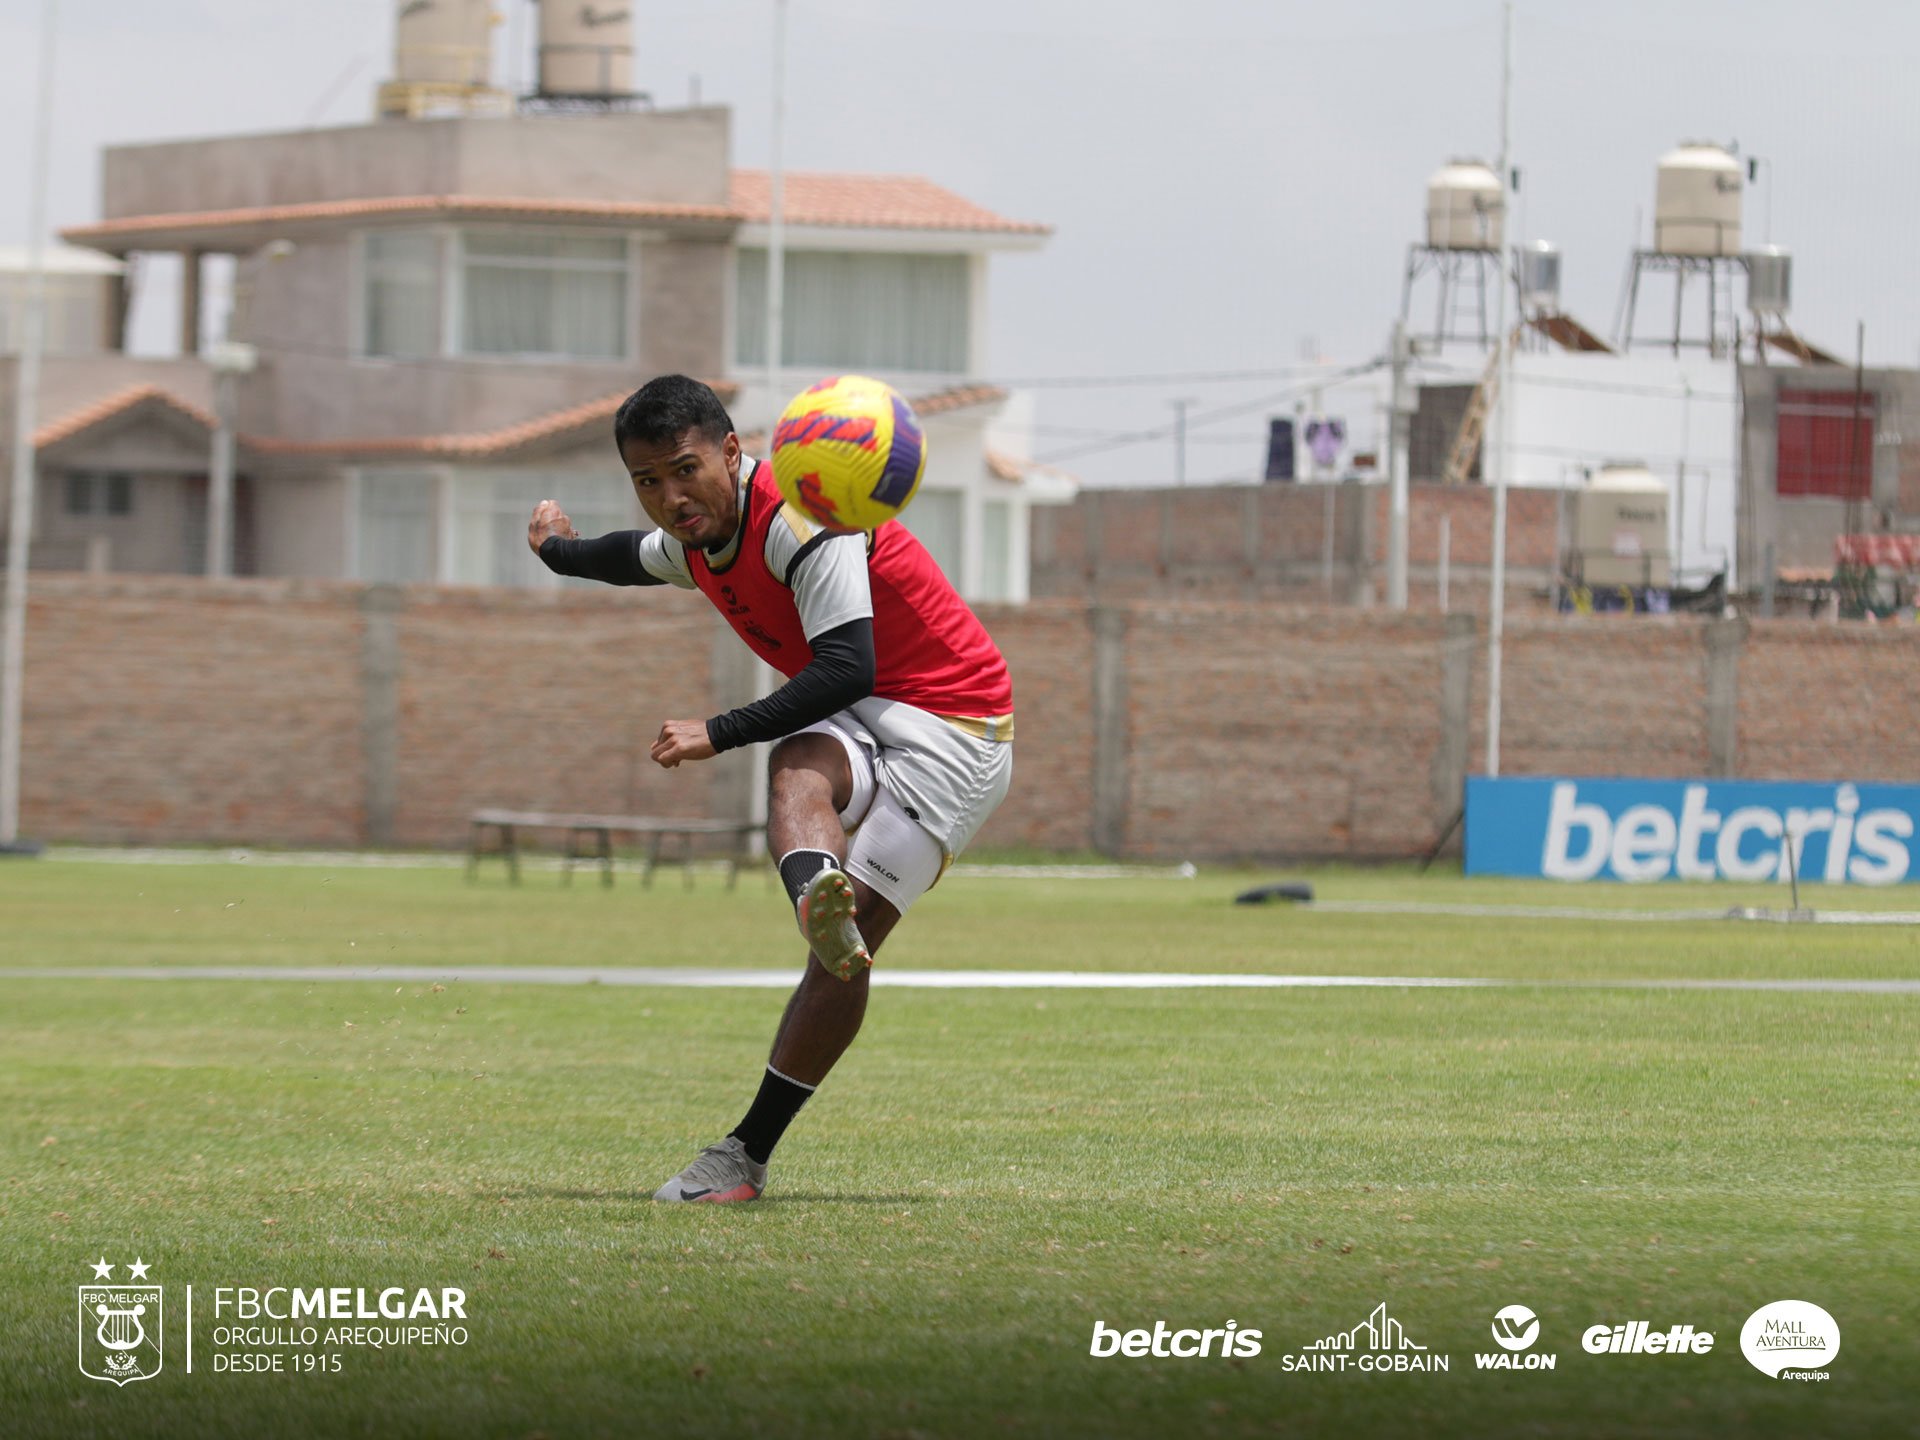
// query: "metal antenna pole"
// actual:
[[1497, 610], [776, 218], [1180, 441], [13, 636], [1397, 407]]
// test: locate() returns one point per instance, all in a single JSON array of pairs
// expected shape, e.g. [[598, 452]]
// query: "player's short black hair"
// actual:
[[664, 409]]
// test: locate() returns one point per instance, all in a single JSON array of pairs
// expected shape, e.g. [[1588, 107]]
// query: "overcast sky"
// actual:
[[1233, 183]]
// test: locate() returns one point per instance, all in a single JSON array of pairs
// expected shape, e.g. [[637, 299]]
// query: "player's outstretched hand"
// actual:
[[549, 519], [682, 740]]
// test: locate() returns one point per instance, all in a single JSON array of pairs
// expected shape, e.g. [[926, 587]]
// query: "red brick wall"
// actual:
[[548, 701], [1532, 521], [1049, 651], [1599, 695], [1196, 543], [1838, 702], [1271, 730], [175, 711]]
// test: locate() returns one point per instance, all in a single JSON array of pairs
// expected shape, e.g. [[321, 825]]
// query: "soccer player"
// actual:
[[895, 725]]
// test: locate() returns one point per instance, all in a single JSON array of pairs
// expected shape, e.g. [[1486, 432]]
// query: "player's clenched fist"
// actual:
[[549, 519], [682, 740]]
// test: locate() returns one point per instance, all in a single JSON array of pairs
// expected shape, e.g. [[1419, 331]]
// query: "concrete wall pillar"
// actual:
[[113, 317], [1724, 640], [1457, 649], [1250, 539], [1356, 500], [380, 607], [1112, 730], [190, 302], [1094, 539]]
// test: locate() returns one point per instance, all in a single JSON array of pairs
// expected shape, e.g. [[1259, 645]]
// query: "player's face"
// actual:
[[690, 488]]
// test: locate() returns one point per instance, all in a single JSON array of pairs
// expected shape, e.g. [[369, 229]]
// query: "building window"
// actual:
[[854, 309], [491, 510], [1825, 444], [996, 550], [529, 292], [396, 527], [402, 293], [93, 494], [934, 519]]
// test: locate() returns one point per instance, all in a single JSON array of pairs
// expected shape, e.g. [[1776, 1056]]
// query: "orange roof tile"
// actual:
[[889, 202], [475, 445], [1003, 466], [884, 202], [104, 233], [956, 397], [109, 407]]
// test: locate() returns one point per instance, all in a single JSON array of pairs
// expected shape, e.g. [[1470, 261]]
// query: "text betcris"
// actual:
[[1230, 1342], [1835, 843]]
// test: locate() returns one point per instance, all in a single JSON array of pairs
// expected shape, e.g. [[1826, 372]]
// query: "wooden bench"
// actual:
[[506, 826]]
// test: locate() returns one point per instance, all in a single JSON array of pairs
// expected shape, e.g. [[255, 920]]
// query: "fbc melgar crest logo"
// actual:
[[120, 1325]]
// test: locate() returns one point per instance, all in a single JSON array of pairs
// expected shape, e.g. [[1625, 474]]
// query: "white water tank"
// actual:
[[1464, 207], [1769, 280], [448, 42], [1620, 528], [1696, 201], [1540, 277], [586, 48]]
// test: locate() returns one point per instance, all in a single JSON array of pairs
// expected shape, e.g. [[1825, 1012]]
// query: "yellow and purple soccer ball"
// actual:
[[849, 453]]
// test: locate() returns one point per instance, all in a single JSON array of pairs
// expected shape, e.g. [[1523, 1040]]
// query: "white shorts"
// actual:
[[922, 788]]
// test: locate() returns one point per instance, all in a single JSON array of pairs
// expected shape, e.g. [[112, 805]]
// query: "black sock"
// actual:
[[772, 1111], [798, 867]]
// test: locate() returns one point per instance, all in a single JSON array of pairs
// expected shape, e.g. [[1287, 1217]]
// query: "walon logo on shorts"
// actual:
[[1790, 1333], [1229, 1343], [1515, 1328], [120, 1331], [1638, 1337], [1377, 1344]]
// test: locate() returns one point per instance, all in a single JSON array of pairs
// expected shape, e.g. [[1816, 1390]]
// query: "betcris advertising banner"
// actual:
[[1578, 829]]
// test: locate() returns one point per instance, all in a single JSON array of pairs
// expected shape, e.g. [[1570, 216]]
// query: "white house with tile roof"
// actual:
[[447, 312]]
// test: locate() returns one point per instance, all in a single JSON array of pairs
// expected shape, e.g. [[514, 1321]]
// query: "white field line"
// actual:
[[1576, 912], [707, 978], [492, 864]]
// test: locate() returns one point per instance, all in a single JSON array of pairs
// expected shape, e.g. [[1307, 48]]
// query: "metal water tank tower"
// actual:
[[1465, 207], [1696, 201], [1466, 211], [1696, 237], [1620, 528], [1769, 281], [586, 50], [443, 42], [1539, 278]]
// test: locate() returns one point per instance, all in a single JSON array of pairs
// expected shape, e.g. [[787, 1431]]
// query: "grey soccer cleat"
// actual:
[[723, 1173], [826, 919]]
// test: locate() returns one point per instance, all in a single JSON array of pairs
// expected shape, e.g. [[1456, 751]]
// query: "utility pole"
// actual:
[[1398, 408], [776, 214], [13, 636], [1180, 441], [231, 359], [1501, 450]]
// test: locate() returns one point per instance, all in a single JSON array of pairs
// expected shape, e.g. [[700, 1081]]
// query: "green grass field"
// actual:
[[986, 1175]]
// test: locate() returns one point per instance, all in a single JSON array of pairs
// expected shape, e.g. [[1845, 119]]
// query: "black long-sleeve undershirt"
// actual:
[[613, 558], [841, 671]]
